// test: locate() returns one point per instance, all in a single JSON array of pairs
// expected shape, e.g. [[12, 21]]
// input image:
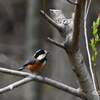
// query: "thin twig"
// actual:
[[44, 5], [52, 22], [55, 43], [72, 2], [31, 77], [86, 40], [16, 84], [94, 61]]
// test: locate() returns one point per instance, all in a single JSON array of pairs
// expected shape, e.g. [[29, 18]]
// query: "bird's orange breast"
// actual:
[[36, 67]]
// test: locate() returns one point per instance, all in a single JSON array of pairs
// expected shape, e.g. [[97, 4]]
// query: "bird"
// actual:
[[37, 62]]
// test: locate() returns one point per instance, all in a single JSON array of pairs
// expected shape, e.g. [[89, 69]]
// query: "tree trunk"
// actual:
[[61, 68]]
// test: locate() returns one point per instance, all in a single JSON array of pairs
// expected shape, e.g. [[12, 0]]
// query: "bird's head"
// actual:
[[41, 54]]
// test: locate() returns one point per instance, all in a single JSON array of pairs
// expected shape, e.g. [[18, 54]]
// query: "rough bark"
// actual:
[[60, 71]]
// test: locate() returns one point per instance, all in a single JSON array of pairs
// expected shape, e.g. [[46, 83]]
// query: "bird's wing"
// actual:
[[28, 62]]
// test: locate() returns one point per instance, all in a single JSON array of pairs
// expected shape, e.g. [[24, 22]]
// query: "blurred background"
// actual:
[[23, 31]]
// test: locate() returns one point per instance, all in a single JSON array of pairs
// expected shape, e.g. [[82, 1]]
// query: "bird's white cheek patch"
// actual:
[[41, 56]]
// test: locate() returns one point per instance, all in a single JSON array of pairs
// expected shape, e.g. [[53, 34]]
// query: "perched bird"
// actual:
[[37, 62]]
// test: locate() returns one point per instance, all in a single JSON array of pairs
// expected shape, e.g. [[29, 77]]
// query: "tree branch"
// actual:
[[70, 33], [31, 77], [55, 43], [86, 41], [16, 84], [52, 22], [79, 10]]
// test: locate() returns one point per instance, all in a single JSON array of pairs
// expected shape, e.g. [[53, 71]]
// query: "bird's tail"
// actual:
[[21, 68]]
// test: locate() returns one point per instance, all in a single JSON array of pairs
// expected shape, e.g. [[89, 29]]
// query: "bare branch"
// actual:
[[66, 24], [72, 2], [31, 77], [16, 84], [70, 31], [52, 22], [79, 10], [55, 43], [14, 72], [86, 41]]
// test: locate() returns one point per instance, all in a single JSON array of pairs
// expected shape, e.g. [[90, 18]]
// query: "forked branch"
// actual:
[[31, 77]]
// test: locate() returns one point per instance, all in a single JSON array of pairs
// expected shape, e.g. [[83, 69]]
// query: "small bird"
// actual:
[[37, 62]]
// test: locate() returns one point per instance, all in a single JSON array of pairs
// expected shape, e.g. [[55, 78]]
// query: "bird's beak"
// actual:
[[48, 52]]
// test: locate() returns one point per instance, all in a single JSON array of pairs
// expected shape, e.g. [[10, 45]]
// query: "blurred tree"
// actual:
[[36, 34], [33, 42]]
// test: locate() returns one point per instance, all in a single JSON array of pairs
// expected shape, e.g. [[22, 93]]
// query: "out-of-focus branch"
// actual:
[[7, 48], [72, 2], [31, 77], [9, 62]]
